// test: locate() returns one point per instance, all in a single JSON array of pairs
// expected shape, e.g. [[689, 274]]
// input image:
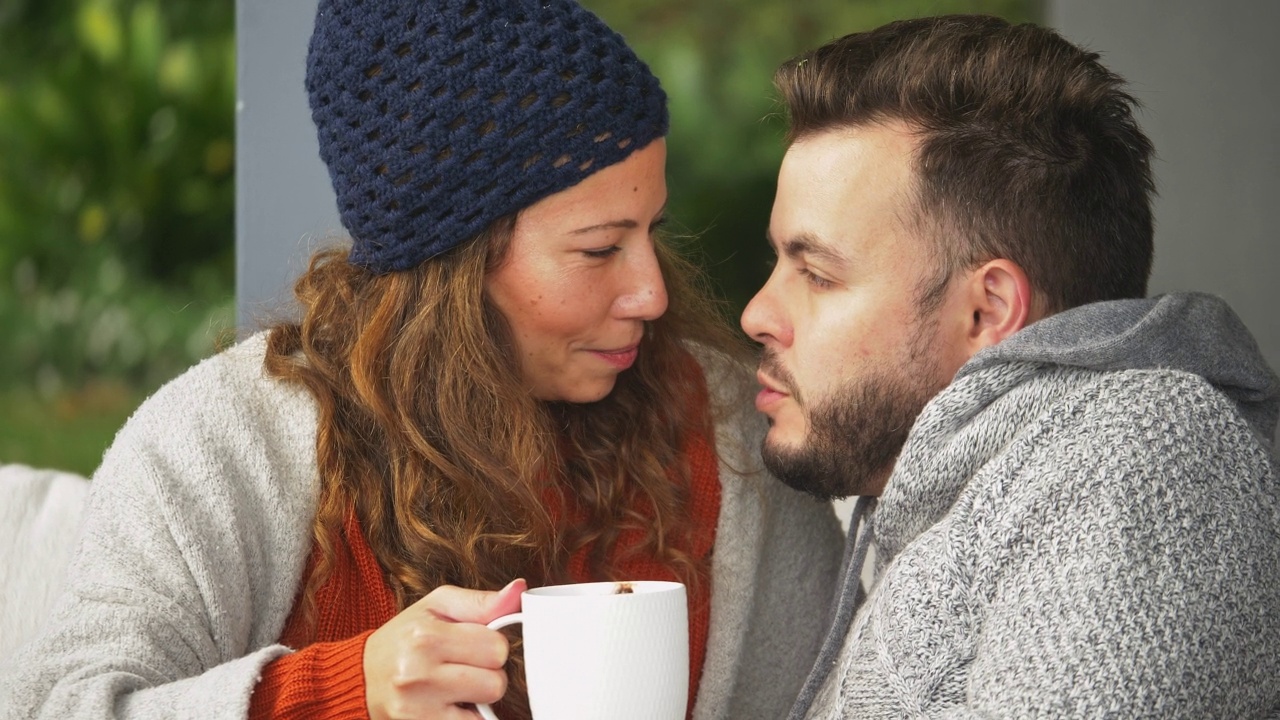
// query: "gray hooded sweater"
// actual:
[[1085, 523]]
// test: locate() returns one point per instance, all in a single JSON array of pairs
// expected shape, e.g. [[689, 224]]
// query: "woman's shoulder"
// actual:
[[223, 416], [231, 388], [729, 377]]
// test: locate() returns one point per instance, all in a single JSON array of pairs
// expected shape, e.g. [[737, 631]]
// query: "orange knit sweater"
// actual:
[[325, 677]]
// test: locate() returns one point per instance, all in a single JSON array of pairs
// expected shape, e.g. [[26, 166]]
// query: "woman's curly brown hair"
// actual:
[[428, 433]]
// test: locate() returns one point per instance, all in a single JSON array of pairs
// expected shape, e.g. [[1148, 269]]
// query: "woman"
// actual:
[[505, 381]]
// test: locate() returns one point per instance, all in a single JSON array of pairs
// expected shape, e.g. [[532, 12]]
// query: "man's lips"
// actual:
[[621, 358], [770, 395]]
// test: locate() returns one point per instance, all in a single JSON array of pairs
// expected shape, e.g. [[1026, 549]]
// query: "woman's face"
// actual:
[[580, 278]]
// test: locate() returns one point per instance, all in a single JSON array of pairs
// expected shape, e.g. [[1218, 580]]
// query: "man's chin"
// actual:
[[787, 430], [802, 470]]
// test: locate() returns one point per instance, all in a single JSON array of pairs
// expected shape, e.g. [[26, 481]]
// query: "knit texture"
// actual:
[[437, 118], [197, 533], [1081, 538], [326, 678], [39, 517]]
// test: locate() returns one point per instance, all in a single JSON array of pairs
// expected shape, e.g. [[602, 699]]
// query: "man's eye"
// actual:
[[814, 280], [771, 261], [602, 252]]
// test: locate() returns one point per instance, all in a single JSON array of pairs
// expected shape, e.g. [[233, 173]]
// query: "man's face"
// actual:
[[848, 361]]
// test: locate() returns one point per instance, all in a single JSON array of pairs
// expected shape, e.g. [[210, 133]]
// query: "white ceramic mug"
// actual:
[[615, 650]]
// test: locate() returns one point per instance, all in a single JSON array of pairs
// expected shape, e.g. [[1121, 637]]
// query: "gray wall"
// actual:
[[1205, 72], [284, 203]]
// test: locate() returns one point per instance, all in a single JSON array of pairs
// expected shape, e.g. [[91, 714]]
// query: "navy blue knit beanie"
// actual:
[[437, 117]]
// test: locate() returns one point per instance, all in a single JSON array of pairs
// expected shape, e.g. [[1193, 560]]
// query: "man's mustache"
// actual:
[[771, 365]]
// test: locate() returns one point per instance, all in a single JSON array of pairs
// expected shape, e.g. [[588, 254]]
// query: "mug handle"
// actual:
[[485, 711]]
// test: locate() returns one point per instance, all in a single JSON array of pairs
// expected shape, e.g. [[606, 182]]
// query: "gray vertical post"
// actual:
[[284, 203], [1206, 74]]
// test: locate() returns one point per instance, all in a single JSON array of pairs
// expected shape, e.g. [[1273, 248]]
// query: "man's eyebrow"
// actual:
[[810, 245]]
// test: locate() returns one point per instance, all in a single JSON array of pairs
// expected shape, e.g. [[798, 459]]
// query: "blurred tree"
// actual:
[[116, 122], [716, 60], [116, 195]]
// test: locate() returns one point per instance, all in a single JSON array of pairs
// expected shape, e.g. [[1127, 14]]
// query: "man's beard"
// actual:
[[855, 435]]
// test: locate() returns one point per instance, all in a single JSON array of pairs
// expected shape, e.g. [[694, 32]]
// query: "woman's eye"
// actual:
[[657, 224], [602, 252]]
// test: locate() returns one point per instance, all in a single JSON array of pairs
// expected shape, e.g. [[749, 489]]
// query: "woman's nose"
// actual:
[[645, 296]]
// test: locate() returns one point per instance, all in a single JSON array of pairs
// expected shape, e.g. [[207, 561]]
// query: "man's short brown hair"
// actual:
[[1028, 147]]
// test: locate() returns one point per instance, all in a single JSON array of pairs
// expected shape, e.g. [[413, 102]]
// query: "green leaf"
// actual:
[[98, 29]]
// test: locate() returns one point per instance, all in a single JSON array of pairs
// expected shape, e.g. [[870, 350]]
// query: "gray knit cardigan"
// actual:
[[197, 531], [1086, 523]]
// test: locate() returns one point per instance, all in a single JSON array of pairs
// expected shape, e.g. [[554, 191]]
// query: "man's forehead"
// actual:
[[891, 137], [840, 191]]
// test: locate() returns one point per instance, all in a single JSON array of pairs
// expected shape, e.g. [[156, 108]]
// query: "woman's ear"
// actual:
[[999, 303]]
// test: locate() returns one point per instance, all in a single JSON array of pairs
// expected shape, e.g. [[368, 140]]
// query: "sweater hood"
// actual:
[[1190, 332]]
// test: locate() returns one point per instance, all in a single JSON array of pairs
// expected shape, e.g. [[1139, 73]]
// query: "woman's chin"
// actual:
[[587, 391]]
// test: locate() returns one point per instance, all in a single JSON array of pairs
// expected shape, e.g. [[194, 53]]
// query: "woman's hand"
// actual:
[[437, 653]]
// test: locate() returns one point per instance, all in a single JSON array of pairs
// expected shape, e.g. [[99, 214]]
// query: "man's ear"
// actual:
[[999, 303]]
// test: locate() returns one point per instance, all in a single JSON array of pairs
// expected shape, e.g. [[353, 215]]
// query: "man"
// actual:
[[1077, 509]]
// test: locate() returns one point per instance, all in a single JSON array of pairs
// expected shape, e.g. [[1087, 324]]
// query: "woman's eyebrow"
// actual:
[[611, 225], [627, 224]]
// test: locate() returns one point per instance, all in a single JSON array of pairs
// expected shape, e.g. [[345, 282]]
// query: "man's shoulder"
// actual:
[[1161, 403], [1167, 425]]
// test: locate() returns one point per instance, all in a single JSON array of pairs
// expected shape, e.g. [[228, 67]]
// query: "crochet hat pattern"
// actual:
[[437, 117]]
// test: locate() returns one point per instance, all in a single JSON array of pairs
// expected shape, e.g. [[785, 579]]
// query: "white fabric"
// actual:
[[39, 519]]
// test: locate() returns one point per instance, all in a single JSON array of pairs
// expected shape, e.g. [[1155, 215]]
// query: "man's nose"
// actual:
[[764, 320]]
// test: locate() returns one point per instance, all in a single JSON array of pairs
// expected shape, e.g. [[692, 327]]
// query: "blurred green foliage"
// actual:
[[116, 209], [116, 194], [116, 171]]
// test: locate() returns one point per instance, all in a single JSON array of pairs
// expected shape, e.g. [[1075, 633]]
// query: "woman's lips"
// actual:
[[621, 359]]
